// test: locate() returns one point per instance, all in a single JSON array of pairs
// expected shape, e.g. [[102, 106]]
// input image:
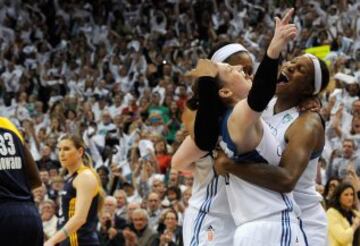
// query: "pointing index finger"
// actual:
[[285, 20]]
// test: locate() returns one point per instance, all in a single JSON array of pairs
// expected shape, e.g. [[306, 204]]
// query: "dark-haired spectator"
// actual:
[[329, 188], [343, 216], [171, 232]]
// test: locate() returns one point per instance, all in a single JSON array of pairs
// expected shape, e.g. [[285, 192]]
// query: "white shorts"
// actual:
[[282, 232], [313, 224], [207, 229]]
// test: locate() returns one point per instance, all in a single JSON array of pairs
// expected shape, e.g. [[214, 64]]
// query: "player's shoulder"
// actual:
[[86, 176], [307, 124], [310, 120], [7, 125]]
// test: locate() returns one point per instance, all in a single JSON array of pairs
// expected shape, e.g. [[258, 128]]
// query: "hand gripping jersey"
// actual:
[[207, 219], [312, 214]]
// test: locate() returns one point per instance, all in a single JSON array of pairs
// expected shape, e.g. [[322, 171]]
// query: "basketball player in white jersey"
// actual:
[[302, 137], [278, 223], [207, 220]]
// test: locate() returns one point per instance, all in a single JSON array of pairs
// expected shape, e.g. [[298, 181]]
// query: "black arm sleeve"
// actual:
[[264, 84], [206, 129]]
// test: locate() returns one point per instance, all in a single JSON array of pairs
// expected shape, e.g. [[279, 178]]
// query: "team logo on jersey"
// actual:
[[272, 129], [286, 118], [210, 233]]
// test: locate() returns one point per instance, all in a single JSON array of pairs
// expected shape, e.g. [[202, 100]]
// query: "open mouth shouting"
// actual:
[[283, 79]]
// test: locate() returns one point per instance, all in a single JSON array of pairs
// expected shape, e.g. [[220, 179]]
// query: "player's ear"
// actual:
[[225, 93]]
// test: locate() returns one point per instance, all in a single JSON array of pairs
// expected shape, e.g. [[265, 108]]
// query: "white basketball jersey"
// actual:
[[304, 192], [208, 187], [208, 208], [249, 202]]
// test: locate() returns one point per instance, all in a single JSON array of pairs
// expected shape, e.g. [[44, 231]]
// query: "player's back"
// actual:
[[13, 184], [20, 223]]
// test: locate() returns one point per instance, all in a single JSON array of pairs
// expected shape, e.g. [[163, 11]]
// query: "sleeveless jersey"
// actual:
[[207, 185], [86, 235], [304, 192], [250, 202], [13, 183], [209, 201]]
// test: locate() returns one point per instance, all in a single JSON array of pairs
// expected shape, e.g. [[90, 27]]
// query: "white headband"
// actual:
[[224, 52], [317, 73]]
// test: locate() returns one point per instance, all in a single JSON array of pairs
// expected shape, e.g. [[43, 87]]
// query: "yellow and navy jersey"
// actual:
[[13, 183], [86, 235]]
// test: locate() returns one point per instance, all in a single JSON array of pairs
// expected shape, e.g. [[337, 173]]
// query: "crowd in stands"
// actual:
[[114, 73]]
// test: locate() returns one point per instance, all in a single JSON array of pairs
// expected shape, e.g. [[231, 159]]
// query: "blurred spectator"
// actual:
[[108, 234], [171, 233], [46, 162], [330, 186], [186, 197], [342, 160], [57, 185], [131, 207], [48, 217], [162, 156], [343, 216], [110, 206], [158, 187], [121, 199], [145, 235], [154, 210], [113, 72]]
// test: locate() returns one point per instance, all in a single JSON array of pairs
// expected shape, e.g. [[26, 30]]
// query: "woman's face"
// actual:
[[170, 221], [355, 125], [242, 59], [47, 211], [187, 195], [160, 147], [235, 80], [333, 184], [347, 198], [69, 155], [295, 76], [353, 89]]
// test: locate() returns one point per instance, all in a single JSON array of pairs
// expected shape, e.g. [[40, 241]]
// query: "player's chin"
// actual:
[[63, 163], [280, 89]]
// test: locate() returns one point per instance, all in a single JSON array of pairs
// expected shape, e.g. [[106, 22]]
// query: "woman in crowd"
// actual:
[[330, 186], [343, 217], [171, 233], [82, 197]]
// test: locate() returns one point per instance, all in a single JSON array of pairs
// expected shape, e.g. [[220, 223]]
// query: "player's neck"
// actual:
[[283, 104], [72, 169]]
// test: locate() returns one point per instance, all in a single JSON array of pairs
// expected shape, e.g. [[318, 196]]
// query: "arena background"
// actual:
[[113, 72]]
